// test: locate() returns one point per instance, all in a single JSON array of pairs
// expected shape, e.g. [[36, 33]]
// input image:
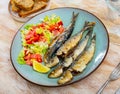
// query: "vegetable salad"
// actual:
[[37, 37]]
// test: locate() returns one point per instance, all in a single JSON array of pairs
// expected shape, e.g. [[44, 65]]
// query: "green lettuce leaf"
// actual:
[[20, 58]]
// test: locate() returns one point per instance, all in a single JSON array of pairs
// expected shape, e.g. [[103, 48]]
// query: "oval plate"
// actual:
[[102, 45]]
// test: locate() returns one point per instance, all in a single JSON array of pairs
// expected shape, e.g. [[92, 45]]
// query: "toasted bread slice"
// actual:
[[24, 4], [37, 6], [14, 7]]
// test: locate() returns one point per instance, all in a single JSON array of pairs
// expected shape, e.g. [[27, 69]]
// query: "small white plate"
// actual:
[[16, 17]]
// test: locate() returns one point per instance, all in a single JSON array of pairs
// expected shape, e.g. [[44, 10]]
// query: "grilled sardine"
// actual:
[[58, 41]]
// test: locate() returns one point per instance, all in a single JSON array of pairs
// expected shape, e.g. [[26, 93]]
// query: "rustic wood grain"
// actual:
[[12, 83]]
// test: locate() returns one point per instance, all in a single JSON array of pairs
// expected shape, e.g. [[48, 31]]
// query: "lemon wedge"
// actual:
[[40, 67]]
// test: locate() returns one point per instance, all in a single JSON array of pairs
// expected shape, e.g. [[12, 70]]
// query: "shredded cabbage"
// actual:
[[29, 26], [48, 35], [51, 19], [20, 58], [39, 48], [39, 30]]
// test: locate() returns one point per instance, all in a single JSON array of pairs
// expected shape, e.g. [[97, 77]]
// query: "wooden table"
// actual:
[[12, 83]]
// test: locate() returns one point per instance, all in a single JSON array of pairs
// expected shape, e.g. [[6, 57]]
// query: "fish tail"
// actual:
[[90, 31], [88, 26], [74, 17]]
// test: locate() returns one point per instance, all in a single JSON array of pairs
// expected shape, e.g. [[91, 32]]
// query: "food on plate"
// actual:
[[24, 4], [27, 7], [48, 44], [67, 77], [69, 45], [37, 6], [37, 37], [41, 0], [56, 73], [14, 7], [40, 67], [75, 54], [59, 40], [53, 62], [78, 65]]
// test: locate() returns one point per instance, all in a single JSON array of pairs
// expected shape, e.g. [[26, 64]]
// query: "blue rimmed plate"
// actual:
[[102, 45]]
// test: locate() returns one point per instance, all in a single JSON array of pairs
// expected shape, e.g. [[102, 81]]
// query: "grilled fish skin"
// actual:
[[65, 78], [69, 60], [60, 39], [79, 65], [70, 44], [53, 62], [56, 73], [79, 50]]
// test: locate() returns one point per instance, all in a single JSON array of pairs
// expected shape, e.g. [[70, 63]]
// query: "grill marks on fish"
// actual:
[[64, 50], [58, 41], [67, 77], [70, 59], [70, 44], [56, 73], [54, 61], [78, 51], [78, 65], [71, 55]]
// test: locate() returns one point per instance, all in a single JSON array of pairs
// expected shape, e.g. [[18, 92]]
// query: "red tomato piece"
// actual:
[[42, 38], [32, 37], [60, 23], [29, 62], [55, 32], [36, 57], [29, 41], [27, 57], [29, 35], [51, 28], [34, 27], [41, 25], [36, 38], [61, 29]]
